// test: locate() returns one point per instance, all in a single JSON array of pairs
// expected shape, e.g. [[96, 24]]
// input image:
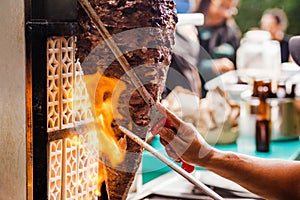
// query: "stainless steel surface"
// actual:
[[172, 165], [284, 117], [173, 186]]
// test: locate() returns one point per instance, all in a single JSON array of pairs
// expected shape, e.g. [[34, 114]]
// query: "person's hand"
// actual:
[[222, 65], [187, 144]]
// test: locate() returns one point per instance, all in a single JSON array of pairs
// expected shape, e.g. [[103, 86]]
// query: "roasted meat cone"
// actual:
[[144, 32]]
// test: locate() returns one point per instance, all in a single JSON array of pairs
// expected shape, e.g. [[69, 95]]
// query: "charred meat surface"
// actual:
[[144, 31]]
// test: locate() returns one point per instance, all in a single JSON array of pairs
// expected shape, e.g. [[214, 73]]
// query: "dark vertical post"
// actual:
[[36, 39], [44, 18]]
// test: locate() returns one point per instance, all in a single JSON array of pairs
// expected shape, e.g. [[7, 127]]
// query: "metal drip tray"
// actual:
[[173, 186]]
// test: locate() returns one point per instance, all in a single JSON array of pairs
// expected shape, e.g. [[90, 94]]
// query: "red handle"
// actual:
[[166, 123], [188, 168]]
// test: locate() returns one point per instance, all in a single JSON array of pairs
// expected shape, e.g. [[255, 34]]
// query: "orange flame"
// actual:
[[99, 180], [101, 136], [105, 116]]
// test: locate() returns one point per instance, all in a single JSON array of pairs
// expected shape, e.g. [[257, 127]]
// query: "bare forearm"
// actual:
[[269, 178]]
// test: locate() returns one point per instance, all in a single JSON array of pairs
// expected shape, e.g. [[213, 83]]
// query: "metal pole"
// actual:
[[171, 164]]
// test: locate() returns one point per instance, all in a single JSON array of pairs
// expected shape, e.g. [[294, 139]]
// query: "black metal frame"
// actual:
[[44, 18]]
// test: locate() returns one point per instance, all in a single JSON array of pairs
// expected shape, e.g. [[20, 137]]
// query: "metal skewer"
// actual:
[[116, 51], [168, 162]]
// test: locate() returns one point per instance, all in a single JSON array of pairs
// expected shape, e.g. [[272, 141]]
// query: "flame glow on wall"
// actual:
[[75, 168]]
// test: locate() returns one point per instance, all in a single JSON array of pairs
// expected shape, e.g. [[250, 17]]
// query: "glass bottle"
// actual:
[[262, 126]]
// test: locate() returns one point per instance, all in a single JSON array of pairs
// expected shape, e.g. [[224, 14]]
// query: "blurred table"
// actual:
[[279, 149], [245, 144]]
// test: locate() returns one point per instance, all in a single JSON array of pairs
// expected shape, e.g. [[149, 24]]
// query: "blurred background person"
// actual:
[[211, 47], [183, 69], [219, 37], [275, 21]]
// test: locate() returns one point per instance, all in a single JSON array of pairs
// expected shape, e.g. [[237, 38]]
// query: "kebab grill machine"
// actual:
[[61, 136]]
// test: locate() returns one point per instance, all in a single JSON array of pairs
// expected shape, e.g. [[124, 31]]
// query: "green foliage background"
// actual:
[[250, 12]]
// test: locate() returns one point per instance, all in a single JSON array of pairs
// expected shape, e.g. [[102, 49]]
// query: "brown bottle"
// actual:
[[262, 135], [258, 84]]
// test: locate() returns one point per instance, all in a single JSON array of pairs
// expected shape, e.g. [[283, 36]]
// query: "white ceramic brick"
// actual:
[[55, 170], [82, 104], [53, 83]]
